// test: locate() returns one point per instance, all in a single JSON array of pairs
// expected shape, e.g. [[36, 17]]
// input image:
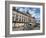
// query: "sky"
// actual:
[[35, 12]]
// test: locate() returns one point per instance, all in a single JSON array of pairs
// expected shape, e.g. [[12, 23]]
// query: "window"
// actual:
[[19, 18], [22, 19], [16, 17]]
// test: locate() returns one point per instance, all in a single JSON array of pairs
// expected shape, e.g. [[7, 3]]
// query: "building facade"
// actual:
[[21, 19]]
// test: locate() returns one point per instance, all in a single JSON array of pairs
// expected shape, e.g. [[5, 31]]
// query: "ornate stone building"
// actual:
[[22, 19]]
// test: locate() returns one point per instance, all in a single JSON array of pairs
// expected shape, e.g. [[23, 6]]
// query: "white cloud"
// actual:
[[21, 9], [32, 13], [34, 9]]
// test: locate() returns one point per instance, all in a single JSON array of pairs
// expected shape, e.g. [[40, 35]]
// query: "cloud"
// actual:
[[35, 12], [32, 13], [21, 9], [34, 9]]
